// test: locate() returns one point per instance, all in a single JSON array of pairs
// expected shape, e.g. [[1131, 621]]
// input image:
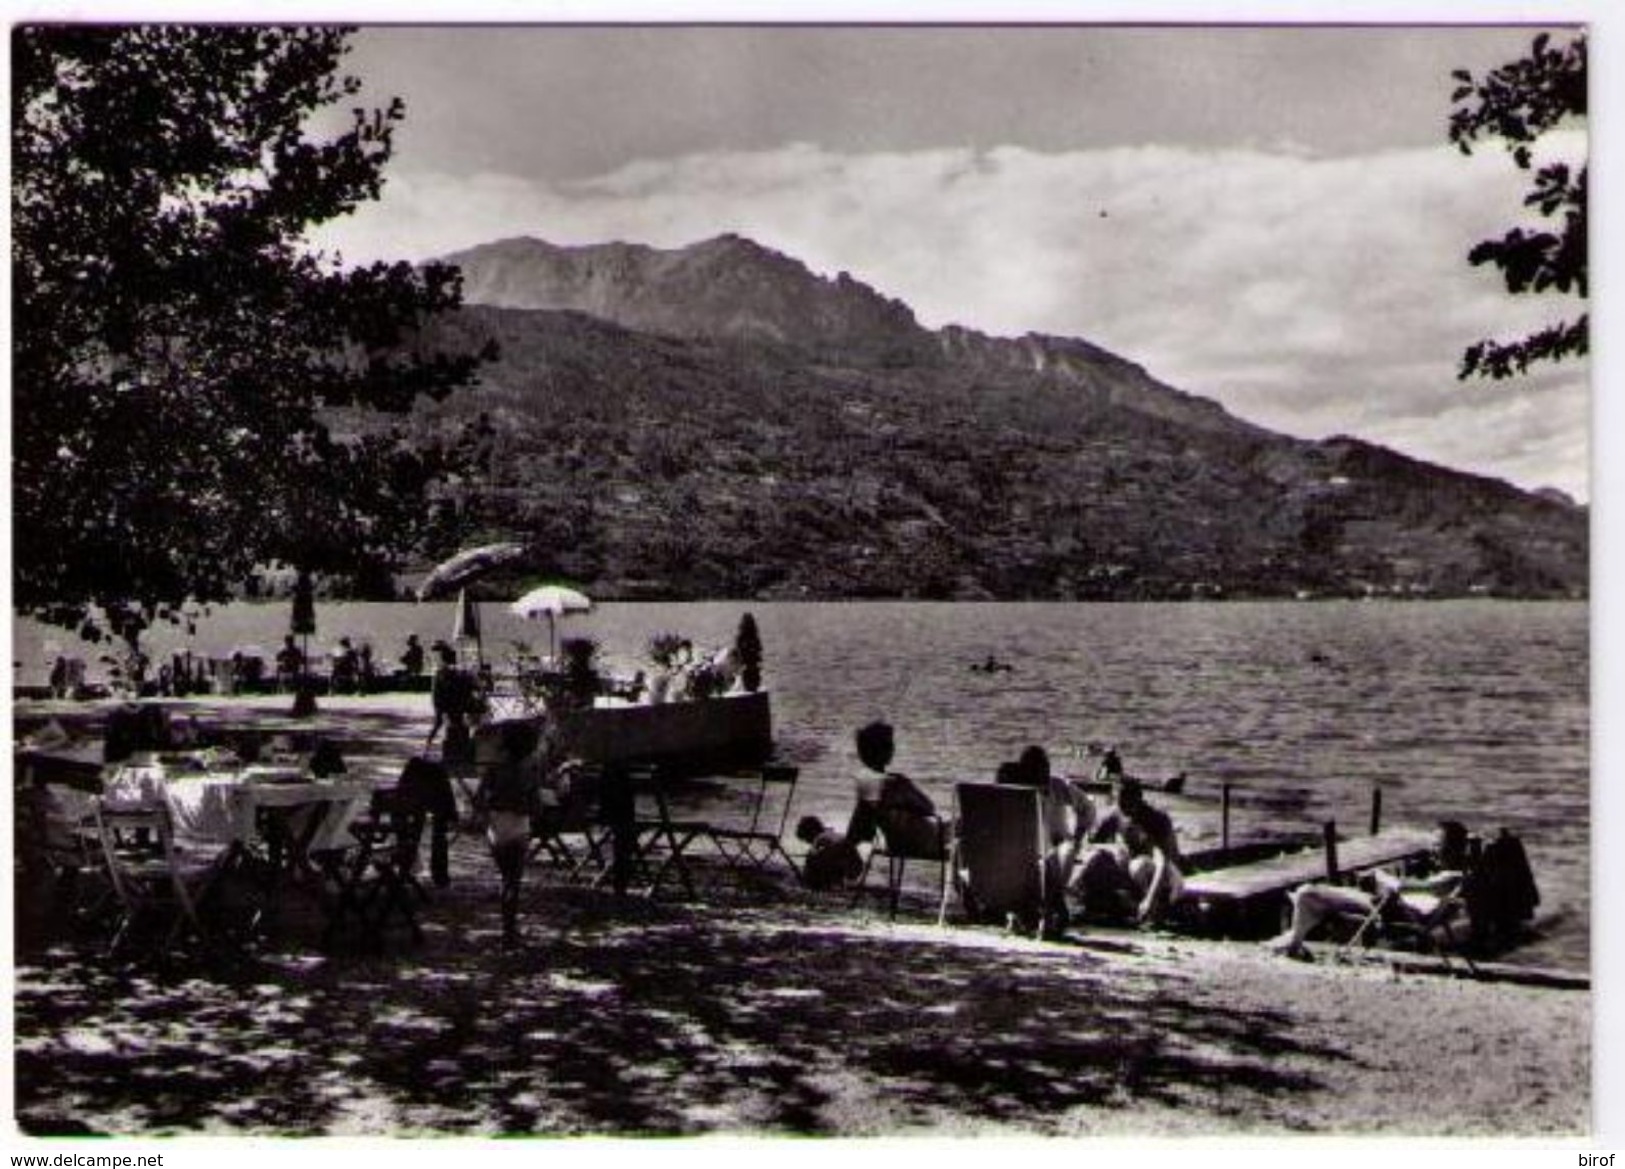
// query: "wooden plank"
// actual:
[[1278, 874]]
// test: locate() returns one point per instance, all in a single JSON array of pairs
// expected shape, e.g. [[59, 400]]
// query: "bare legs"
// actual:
[[1312, 905]]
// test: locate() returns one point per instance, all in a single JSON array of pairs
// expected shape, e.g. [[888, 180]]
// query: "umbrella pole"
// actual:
[[304, 693]]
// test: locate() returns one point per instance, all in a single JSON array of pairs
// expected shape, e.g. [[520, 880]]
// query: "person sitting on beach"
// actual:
[[637, 690], [412, 658], [1066, 806], [345, 667], [1132, 865], [508, 793], [1069, 813], [290, 664], [891, 801], [59, 677], [1419, 894], [832, 860]]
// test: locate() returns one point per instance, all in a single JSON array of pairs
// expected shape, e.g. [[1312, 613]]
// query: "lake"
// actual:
[[1473, 710]]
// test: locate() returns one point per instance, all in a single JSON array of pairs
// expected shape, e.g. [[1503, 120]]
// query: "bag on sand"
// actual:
[[1502, 895]]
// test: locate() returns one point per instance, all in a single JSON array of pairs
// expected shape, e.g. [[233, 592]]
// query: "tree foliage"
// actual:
[[1517, 103], [196, 391]]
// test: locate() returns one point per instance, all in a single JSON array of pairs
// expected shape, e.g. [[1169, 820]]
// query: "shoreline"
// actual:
[[383, 729], [766, 1010], [634, 1017]]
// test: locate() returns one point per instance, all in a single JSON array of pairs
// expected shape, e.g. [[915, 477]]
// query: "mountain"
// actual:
[[718, 420]]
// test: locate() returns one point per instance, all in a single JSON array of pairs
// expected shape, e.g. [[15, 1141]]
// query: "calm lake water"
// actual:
[[1474, 710]]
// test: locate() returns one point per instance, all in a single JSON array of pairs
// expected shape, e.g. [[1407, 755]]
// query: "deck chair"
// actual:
[[152, 878], [899, 841], [754, 845], [1415, 921], [999, 853]]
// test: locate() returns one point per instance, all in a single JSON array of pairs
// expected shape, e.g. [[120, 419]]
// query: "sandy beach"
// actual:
[[760, 1008]]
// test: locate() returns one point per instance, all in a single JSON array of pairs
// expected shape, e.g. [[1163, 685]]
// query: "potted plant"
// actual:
[[664, 650], [582, 682]]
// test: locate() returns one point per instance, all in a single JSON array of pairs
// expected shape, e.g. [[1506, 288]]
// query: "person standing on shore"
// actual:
[[509, 791], [456, 702], [345, 667]]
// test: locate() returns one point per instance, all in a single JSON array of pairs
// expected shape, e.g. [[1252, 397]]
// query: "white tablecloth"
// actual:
[[223, 808]]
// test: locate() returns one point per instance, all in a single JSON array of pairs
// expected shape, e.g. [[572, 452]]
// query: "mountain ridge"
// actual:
[[732, 287], [719, 420]]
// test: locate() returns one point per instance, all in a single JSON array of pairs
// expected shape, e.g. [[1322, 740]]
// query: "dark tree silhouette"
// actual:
[[1518, 103], [196, 390], [748, 645]]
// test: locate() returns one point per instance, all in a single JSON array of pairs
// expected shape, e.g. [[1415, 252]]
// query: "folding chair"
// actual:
[[999, 853], [901, 839], [378, 881], [645, 839], [569, 833], [754, 845], [150, 876], [1415, 920]]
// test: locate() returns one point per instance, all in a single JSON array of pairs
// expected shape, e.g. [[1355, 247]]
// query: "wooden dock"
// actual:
[[1250, 899], [1278, 874]]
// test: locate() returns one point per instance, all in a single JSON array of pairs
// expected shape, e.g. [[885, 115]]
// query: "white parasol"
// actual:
[[551, 601]]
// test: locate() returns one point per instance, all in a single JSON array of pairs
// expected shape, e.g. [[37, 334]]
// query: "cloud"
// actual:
[[1312, 295]]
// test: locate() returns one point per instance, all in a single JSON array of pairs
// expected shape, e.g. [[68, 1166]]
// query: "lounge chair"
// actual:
[[1415, 920], [998, 853], [62, 876]]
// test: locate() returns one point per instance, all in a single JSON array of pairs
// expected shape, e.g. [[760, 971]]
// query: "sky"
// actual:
[[1271, 217]]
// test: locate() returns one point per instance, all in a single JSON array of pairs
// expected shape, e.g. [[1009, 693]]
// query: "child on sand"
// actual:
[[509, 792], [832, 859]]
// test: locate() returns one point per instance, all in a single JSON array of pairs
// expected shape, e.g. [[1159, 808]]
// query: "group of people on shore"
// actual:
[[1116, 860], [352, 669], [1112, 856]]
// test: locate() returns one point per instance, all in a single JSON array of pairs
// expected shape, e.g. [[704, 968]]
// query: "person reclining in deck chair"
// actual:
[[1418, 895]]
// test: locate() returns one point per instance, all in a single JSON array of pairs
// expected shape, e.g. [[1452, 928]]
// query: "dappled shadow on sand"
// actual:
[[632, 1017]]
